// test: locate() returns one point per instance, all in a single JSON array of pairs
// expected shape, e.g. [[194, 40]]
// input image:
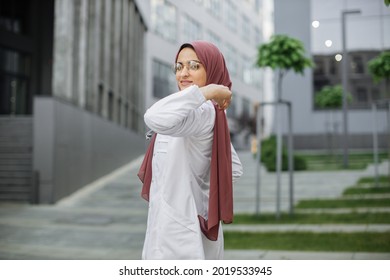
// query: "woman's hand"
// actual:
[[219, 93]]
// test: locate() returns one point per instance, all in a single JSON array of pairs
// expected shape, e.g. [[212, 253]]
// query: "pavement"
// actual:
[[107, 218]]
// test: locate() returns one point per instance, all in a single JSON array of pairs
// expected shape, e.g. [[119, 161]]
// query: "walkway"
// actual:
[[106, 219]]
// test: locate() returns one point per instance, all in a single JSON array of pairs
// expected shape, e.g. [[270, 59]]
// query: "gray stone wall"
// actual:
[[73, 147]]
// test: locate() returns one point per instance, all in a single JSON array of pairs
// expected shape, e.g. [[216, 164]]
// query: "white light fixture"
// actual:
[[338, 57], [328, 43], [315, 23]]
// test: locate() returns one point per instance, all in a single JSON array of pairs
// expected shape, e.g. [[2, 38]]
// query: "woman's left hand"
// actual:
[[219, 93]]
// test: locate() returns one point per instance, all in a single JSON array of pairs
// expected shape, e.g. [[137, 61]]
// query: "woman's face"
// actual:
[[189, 70]]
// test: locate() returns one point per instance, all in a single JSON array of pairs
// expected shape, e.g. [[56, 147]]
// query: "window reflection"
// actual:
[[14, 80], [14, 16]]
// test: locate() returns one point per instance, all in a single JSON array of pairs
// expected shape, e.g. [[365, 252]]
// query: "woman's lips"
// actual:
[[185, 83]]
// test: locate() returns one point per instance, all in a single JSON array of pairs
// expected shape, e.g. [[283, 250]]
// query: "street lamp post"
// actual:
[[344, 77]]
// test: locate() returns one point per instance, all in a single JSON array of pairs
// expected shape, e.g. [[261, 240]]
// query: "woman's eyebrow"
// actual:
[[188, 61]]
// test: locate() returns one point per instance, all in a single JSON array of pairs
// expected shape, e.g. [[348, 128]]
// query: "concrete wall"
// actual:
[[73, 147]]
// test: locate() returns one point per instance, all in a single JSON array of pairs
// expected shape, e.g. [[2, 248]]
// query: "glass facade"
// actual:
[[14, 82], [192, 30], [163, 19], [164, 81], [360, 83]]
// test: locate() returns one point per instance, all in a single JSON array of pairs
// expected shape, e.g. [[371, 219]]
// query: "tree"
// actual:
[[387, 2], [379, 68], [282, 53], [331, 97]]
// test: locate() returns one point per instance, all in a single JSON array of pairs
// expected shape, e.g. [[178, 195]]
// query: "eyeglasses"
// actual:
[[192, 65]]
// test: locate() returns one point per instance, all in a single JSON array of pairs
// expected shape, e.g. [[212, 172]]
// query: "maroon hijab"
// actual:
[[221, 191]]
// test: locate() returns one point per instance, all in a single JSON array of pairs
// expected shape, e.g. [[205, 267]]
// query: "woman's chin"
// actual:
[[181, 87]]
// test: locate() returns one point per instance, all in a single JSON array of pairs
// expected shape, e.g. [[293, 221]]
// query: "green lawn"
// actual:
[[311, 241], [307, 241], [321, 162], [313, 218], [342, 203]]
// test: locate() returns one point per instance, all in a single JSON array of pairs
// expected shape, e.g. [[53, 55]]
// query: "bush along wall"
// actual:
[[268, 156]]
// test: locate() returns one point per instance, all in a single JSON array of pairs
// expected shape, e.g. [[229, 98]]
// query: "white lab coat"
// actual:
[[180, 184]]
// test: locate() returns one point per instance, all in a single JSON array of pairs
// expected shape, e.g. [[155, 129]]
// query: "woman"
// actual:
[[189, 166]]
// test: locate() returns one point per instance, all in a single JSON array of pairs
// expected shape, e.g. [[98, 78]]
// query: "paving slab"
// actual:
[[107, 218]]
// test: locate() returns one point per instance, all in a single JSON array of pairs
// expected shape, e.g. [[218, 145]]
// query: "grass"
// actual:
[[371, 190], [342, 203], [367, 185], [371, 180], [307, 241], [314, 218], [313, 241], [323, 162]]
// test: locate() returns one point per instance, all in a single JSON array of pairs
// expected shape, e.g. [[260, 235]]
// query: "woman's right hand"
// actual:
[[219, 93]]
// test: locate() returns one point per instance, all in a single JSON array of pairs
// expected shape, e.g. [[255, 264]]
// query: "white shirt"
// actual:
[[180, 184]]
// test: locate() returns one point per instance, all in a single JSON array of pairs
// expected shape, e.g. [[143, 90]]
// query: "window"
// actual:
[[334, 67], [14, 81], [246, 31], [357, 65], [375, 93], [360, 83], [100, 100], [360, 97], [163, 19], [126, 115], [251, 75], [119, 111], [164, 81], [213, 38], [15, 16], [319, 66], [110, 105], [231, 60], [191, 30], [214, 7], [231, 15], [246, 70], [257, 36]]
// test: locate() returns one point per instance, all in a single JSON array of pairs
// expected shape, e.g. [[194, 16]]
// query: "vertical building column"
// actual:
[[63, 49], [124, 60], [80, 65], [93, 51], [130, 62], [106, 56]]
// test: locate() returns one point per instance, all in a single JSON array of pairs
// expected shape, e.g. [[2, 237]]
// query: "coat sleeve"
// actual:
[[237, 169], [181, 114]]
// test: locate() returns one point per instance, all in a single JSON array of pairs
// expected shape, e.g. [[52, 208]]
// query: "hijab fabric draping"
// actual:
[[220, 206]]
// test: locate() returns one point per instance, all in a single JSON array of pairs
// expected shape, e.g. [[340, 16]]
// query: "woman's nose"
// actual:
[[184, 72]]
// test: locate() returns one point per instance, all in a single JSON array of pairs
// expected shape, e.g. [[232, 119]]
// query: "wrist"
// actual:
[[206, 93]]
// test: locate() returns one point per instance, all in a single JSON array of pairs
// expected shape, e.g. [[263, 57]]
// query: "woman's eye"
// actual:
[[178, 67], [194, 65]]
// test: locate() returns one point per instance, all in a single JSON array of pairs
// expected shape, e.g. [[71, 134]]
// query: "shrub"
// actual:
[[268, 156]]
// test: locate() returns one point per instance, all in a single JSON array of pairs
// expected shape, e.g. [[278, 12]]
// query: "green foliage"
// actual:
[[387, 2], [268, 156], [379, 67], [330, 97], [325, 162], [285, 53], [309, 241], [342, 203], [314, 218]]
